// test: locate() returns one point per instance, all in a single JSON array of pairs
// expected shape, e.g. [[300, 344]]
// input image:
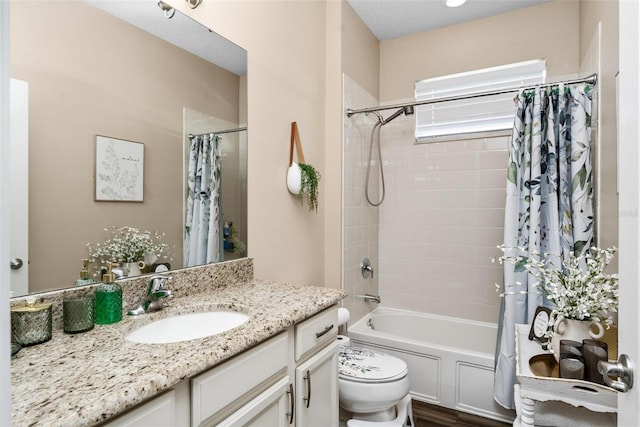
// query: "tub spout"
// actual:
[[372, 298]]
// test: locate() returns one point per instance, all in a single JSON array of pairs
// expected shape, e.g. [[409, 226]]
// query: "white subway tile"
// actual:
[[438, 226]]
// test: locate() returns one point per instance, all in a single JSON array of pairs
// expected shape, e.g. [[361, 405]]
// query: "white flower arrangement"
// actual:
[[580, 289], [128, 244]]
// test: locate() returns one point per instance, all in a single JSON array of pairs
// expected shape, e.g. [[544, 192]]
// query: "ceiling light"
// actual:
[[454, 3], [168, 10]]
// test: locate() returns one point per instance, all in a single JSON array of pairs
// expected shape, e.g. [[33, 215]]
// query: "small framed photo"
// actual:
[[540, 324], [119, 170]]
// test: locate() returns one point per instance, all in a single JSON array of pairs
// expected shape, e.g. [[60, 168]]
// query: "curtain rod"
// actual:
[[592, 79], [220, 132]]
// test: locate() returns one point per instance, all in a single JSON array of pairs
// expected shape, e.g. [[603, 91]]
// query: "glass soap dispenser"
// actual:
[[108, 299], [85, 275]]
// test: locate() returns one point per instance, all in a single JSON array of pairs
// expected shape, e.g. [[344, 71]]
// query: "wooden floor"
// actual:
[[426, 415]]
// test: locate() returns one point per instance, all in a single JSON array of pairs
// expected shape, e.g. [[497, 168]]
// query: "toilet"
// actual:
[[374, 387]]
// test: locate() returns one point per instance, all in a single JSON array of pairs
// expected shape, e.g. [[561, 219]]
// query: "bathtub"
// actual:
[[450, 360]]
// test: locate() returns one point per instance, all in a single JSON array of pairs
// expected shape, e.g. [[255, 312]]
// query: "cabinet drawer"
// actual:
[[316, 332], [268, 409], [159, 411], [238, 380]]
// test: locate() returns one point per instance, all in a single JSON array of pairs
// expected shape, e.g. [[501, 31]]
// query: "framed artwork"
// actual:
[[540, 325], [119, 171]]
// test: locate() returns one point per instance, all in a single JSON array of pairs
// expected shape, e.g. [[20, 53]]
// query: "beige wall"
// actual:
[[552, 28], [360, 52], [592, 12], [333, 147], [294, 58], [466, 289], [67, 65], [287, 44]]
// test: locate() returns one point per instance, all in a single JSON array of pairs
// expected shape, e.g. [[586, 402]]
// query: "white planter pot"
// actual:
[[575, 330], [294, 178]]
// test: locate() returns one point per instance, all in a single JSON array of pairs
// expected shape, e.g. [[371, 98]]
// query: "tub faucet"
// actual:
[[372, 298], [155, 298], [366, 268]]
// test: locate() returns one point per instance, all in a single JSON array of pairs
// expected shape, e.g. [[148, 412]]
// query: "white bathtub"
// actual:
[[450, 360]]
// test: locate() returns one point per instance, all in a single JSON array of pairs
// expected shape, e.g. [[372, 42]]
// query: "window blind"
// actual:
[[474, 117]]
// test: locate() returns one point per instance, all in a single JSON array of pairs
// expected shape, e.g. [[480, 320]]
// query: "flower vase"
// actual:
[[134, 268], [575, 330]]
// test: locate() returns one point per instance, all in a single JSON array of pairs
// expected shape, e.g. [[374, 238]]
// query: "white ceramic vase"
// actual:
[[575, 330], [134, 268], [294, 178]]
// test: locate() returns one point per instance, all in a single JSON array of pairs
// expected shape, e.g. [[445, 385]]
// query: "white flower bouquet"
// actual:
[[128, 244], [580, 289]]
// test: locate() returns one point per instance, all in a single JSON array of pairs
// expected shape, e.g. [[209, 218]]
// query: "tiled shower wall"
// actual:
[[360, 229], [432, 238], [441, 223]]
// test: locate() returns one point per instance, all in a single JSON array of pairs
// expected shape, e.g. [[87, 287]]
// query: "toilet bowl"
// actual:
[[372, 384]]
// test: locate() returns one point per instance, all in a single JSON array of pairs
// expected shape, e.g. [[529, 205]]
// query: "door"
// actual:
[[19, 186], [317, 389], [629, 205]]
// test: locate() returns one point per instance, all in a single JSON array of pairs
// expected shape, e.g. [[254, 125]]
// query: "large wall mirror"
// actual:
[[117, 69]]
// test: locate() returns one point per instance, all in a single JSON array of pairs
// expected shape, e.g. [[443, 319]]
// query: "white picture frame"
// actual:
[[119, 170]]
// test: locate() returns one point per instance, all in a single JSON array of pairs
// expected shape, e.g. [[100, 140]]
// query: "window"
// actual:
[[474, 117]]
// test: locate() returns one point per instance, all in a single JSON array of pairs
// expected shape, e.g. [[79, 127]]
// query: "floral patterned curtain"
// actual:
[[549, 204], [202, 237]]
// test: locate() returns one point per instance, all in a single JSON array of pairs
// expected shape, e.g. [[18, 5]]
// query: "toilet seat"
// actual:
[[367, 366]]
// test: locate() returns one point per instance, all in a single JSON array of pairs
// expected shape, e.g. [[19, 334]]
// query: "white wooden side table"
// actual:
[[592, 396]]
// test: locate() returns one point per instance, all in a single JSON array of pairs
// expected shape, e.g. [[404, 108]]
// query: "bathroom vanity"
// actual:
[[278, 368]]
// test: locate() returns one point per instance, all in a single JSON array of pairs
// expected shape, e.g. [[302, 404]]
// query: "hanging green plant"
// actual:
[[302, 178], [309, 186]]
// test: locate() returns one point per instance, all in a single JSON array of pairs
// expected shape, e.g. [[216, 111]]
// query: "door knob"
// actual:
[[621, 370], [16, 263]]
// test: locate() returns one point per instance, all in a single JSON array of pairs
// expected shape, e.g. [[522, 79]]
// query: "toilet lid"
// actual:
[[362, 364]]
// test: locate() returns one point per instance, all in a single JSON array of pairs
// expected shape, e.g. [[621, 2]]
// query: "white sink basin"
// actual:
[[187, 327]]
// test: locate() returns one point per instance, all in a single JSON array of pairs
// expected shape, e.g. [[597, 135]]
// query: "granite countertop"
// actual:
[[87, 378]]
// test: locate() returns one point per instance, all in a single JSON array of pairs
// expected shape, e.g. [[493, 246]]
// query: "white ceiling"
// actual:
[[389, 19], [180, 31]]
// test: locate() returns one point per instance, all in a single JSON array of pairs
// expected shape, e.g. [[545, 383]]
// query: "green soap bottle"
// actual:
[[85, 275], [108, 299]]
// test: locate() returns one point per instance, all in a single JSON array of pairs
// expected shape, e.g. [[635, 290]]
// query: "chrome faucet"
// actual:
[[156, 296], [372, 298]]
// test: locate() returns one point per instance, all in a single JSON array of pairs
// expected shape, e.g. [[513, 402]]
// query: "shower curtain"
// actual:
[[549, 204], [203, 243]]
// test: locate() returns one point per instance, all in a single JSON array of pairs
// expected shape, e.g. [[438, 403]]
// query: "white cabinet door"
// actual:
[[225, 388], [271, 408], [317, 389], [159, 411]]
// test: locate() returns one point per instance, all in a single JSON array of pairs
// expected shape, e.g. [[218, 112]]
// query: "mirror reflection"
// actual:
[[79, 72]]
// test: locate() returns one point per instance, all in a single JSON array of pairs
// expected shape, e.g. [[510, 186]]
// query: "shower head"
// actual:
[[407, 110]]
